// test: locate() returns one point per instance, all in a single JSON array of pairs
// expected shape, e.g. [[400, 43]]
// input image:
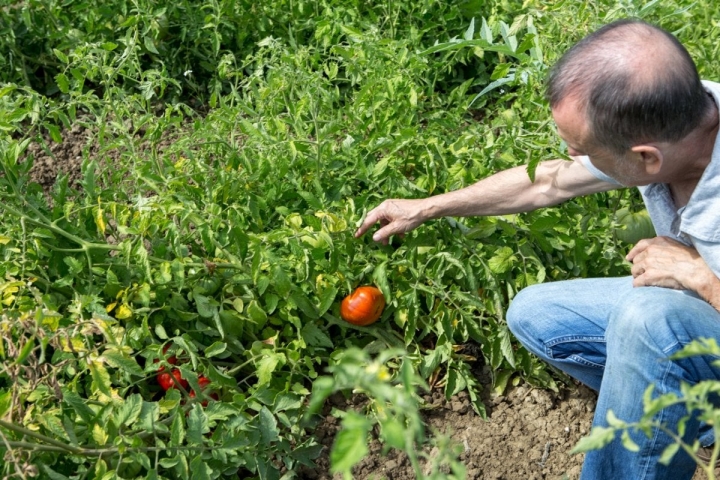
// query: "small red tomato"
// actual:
[[363, 306], [171, 360], [203, 381], [171, 380]]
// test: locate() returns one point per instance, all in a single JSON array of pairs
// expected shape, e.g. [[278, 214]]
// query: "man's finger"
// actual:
[[637, 270], [383, 235], [370, 220], [640, 247]]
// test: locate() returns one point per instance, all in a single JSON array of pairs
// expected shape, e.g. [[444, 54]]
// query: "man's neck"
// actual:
[[694, 154]]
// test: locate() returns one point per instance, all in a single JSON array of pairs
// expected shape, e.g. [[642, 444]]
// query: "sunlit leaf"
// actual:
[[350, 444]]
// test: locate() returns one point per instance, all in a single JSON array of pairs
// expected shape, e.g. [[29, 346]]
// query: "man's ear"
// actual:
[[651, 156]]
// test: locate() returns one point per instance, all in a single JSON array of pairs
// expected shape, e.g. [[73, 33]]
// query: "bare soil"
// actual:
[[528, 434]]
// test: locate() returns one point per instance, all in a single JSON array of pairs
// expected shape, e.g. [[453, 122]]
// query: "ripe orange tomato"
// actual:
[[363, 306]]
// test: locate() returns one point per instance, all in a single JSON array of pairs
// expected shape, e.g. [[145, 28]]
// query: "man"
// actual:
[[628, 102]]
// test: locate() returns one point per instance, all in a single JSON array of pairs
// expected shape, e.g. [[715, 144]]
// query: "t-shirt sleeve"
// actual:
[[585, 161]]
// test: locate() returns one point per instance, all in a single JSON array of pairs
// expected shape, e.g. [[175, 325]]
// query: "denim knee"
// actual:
[[520, 312], [521, 315]]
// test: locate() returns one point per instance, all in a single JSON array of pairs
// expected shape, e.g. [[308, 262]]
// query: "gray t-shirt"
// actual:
[[696, 224]]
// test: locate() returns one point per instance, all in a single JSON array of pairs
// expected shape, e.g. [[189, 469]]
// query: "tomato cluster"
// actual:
[[174, 378]]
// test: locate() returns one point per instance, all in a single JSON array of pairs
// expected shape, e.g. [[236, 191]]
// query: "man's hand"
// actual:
[[396, 217], [664, 262]]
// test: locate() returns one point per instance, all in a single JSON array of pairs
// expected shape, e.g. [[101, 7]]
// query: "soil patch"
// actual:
[[528, 435], [52, 159]]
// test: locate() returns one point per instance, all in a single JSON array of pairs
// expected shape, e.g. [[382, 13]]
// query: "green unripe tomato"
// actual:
[[635, 226]]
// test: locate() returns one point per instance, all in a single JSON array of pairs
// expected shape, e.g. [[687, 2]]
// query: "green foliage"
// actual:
[[174, 38], [238, 144]]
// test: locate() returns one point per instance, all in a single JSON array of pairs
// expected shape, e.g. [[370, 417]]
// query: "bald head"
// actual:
[[636, 82]]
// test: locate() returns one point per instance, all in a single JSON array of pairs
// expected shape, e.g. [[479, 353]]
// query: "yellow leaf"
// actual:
[[167, 405], [99, 435], [110, 307], [51, 320], [100, 377], [123, 312], [4, 240], [11, 287], [73, 345], [99, 219]]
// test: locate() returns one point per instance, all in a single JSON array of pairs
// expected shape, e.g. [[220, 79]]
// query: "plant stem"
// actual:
[[24, 431]]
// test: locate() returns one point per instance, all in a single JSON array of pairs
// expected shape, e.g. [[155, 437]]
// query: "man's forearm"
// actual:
[[511, 191]]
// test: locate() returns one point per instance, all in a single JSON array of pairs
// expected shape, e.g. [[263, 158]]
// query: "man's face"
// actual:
[[575, 130]]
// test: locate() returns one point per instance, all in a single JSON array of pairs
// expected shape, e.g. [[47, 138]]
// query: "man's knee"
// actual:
[[524, 308]]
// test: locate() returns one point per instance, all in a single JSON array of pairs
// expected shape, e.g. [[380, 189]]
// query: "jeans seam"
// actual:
[[574, 338], [587, 363]]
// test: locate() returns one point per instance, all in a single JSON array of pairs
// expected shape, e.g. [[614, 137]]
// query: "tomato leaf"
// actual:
[[598, 438], [130, 410], [149, 416], [78, 405], [350, 444], [122, 361], [506, 345], [215, 349], [455, 382], [257, 314], [314, 337], [99, 435], [266, 367], [380, 277], [100, 376], [200, 468], [304, 304], [268, 426], [206, 306], [281, 281], [326, 300], [197, 425]]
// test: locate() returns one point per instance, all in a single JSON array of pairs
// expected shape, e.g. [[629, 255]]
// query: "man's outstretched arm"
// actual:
[[509, 191]]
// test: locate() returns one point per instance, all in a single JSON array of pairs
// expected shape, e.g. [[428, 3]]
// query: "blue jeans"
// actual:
[[616, 339]]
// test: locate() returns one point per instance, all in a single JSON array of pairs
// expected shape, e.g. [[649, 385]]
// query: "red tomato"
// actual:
[[171, 380], [363, 306], [171, 360], [203, 381]]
